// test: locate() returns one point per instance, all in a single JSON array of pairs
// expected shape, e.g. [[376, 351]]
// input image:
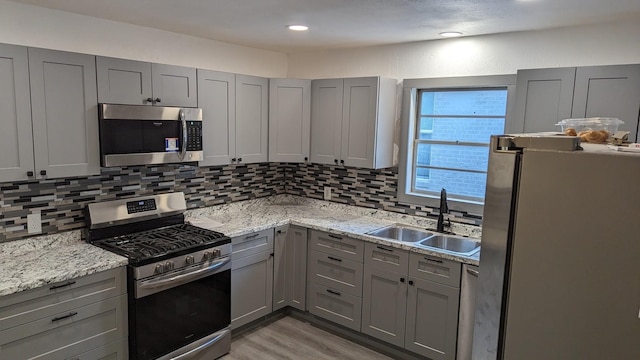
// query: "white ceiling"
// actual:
[[346, 23]]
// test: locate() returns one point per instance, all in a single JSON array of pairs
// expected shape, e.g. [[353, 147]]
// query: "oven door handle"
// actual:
[[148, 287]]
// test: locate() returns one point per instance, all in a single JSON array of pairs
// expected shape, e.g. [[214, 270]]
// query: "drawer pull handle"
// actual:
[[64, 317], [335, 236], [385, 249], [333, 292], [433, 260], [251, 236], [334, 259], [68, 283]]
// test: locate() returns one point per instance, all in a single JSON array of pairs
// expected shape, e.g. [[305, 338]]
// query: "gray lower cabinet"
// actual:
[[251, 277], [86, 315], [384, 300], [289, 120], [16, 139], [432, 307], [289, 268], [131, 82], [64, 113], [546, 96], [334, 278], [252, 119]]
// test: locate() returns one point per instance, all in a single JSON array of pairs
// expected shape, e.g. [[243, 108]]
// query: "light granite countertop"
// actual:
[[42, 260]]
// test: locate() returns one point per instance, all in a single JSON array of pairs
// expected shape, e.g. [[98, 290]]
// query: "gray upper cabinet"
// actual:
[[122, 81], [217, 99], [289, 120], [64, 113], [546, 96], [352, 121], [609, 91], [252, 111], [16, 139], [543, 97]]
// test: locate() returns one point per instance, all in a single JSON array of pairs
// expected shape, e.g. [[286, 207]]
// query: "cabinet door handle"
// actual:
[[251, 236], [43, 172], [335, 161], [333, 292], [433, 260], [334, 259], [411, 282], [341, 161], [157, 100], [335, 236], [233, 160], [149, 100], [239, 159], [472, 272], [401, 280], [29, 173], [385, 249], [306, 158], [64, 316], [68, 283]]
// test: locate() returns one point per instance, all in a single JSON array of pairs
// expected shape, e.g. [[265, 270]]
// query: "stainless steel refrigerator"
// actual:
[[560, 261]]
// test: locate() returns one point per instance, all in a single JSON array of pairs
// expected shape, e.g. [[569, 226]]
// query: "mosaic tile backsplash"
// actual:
[[61, 202]]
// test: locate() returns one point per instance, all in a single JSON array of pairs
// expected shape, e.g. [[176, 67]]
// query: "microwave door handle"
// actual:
[[183, 153]]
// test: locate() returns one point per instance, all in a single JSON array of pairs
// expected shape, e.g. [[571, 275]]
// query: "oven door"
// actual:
[[181, 309]]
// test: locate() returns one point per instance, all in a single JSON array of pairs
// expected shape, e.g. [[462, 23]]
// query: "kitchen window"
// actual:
[[446, 127]]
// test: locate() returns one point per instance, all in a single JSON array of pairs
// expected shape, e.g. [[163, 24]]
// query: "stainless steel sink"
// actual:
[[401, 233], [452, 244]]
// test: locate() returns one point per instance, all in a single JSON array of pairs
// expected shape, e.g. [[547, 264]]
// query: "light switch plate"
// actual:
[[327, 192], [34, 223]]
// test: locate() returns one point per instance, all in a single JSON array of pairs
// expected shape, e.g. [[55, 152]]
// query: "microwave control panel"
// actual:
[[194, 135]]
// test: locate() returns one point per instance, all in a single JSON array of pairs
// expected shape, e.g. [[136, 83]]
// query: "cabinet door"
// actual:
[[174, 85], [384, 304], [296, 268], [123, 81], [326, 120], [251, 288], [432, 319], [251, 119], [359, 116], [280, 261], [543, 97], [609, 91], [289, 120], [16, 139], [64, 105], [217, 99]]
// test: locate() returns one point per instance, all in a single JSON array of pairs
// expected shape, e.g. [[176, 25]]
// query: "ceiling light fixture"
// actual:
[[298, 27], [450, 34]]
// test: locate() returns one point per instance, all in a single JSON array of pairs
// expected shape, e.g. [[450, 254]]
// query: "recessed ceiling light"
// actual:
[[298, 27], [450, 34]]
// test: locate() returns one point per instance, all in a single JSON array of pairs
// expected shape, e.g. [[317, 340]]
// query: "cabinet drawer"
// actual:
[[331, 304], [336, 272], [436, 269], [386, 258], [250, 244], [68, 333], [340, 245], [117, 350], [31, 305]]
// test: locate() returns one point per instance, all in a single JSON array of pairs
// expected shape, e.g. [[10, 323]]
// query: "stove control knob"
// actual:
[[168, 266], [217, 252], [159, 269], [206, 256], [189, 260]]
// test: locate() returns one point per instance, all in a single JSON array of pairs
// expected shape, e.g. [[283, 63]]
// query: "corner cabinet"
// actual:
[[352, 121], [82, 318], [64, 112], [251, 277], [289, 120], [289, 268], [546, 96], [122, 81]]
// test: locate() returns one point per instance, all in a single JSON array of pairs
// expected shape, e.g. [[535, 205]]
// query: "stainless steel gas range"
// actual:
[[179, 276]]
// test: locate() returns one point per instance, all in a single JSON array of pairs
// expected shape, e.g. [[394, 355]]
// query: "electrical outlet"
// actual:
[[327, 192], [34, 223]]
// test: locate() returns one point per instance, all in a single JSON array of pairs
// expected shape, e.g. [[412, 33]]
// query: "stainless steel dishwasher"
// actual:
[[467, 310]]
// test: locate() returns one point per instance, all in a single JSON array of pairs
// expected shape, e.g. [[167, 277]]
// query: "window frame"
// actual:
[[408, 120]]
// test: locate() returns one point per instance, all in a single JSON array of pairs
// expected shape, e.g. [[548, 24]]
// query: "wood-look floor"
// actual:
[[289, 338]]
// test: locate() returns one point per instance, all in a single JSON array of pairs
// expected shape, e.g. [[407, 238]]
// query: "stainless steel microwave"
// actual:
[[141, 135]]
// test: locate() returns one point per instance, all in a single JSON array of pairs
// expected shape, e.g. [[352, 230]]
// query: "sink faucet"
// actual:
[[444, 209]]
